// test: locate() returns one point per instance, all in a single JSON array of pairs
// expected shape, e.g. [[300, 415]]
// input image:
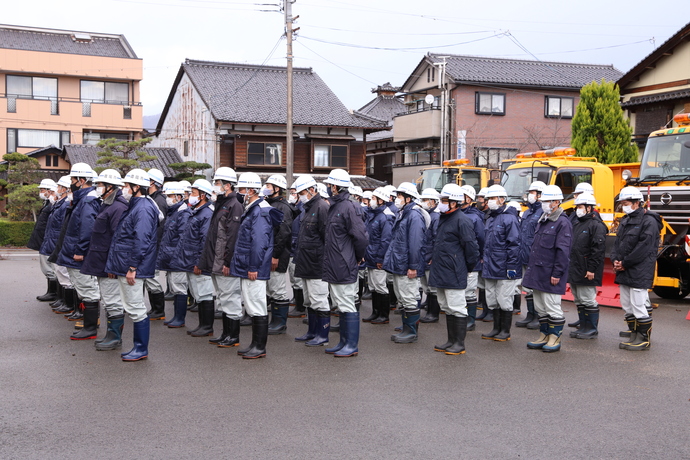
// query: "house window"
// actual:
[[259, 153], [31, 88], [104, 92], [94, 137], [430, 74], [52, 161], [558, 107], [35, 138], [490, 103], [330, 156], [567, 180]]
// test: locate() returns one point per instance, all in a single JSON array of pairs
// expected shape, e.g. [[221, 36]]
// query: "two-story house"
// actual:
[[59, 87]]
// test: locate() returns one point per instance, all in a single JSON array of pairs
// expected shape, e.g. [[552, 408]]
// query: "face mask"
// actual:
[[169, 201], [100, 191], [330, 192], [267, 191], [546, 207], [304, 198], [127, 193], [399, 203], [193, 200], [443, 207], [292, 199], [52, 199], [627, 209], [580, 212], [493, 204], [373, 204], [531, 198], [74, 187], [218, 190], [363, 205]]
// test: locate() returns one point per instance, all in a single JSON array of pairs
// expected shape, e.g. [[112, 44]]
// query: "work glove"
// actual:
[[512, 274]]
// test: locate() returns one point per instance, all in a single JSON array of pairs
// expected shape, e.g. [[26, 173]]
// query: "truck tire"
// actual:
[[670, 293]]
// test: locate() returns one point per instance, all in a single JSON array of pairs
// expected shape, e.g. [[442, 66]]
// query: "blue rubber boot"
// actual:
[[311, 331], [351, 323], [279, 316], [580, 321], [343, 337], [555, 331], [410, 320], [322, 328], [113, 337], [141, 341], [180, 312], [543, 333]]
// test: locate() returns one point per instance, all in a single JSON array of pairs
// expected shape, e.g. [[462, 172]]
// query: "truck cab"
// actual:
[[453, 172]]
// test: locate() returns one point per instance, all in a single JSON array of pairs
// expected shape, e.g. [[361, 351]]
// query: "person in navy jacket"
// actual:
[[429, 202], [46, 190], [252, 259], [113, 205], [50, 238], [296, 282], [547, 269], [132, 256], [405, 260], [477, 218]]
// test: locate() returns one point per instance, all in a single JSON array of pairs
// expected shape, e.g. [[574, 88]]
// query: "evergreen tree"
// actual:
[[122, 156], [188, 170], [599, 128], [23, 176]]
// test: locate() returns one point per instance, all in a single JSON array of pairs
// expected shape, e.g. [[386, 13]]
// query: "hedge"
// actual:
[[15, 233]]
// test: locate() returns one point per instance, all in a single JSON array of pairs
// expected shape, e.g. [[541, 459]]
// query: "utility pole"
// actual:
[[289, 141], [444, 109]]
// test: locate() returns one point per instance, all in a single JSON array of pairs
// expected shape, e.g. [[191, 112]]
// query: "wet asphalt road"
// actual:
[[63, 399]]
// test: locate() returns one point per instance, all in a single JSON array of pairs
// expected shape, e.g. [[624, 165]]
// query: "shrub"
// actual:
[[15, 233]]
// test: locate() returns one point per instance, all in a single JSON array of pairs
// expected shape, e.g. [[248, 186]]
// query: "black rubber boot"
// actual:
[[409, 333], [452, 330], [517, 304], [496, 317], [259, 338], [299, 310], [577, 323], [471, 316], [206, 313], [374, 308], [361, 282], [70, 299], [458, 346], [78, 312], [366, 293], [90, 329], [233, 337], [157, 311], [384, 310], [113, 336], [482, 305], [580, 320], [632, 326], [392, 298], [279, 316], [432, 311], [60, 300], [591, 324], [532, 319], [643, 332], [224, 333], [506, 318], [192, 303], [51, 293]]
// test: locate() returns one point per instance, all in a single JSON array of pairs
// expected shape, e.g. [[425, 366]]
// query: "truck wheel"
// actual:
[[670, 293]]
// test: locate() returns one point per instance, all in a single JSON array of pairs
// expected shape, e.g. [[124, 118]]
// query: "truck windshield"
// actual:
[[436, 178], [516, 181], [666, 156]]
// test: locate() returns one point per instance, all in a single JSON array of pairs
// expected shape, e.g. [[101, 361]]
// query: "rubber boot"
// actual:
[[233, 337], [484, 307], [113, 336], [496, 318], [460, 325], [632, 327], [452, 330], [531, 317], [260, 331], [577, 323], [321, 329], [206, 317], [517, 304], [51, 293], [409, 334], [383, 309], [580, 321], [643, 333], [299, 310], [70, 299], [252, 344], [366, 293], [78, 312], [351, 323], [60, 298], [374, 308], [246, 320], [591, 324], [193, 305], [392, 298], [554, 336], [90, 329], [142, 330], [157, 311], [432, 311], [361, 282], [489, 315], [224, 333], [279, 316], [506, 318], [180, 304], [311, 330], [343, 339], [471, 316], [543, 333]]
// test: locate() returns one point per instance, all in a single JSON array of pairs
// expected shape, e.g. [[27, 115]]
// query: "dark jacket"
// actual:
[[456, 251], [222, 234], [588, 250], [282, 234], [162, 204], [85, 207], [502, 244], [311, 239], [254, 246], [528, 225], [636, 246], [550, 253], [295, 228], [379, 228], [53, 227], [477, 218], [63, 231], [104, 228], [191, 243], [174, 225], [135, 240], [346, 241], [36, 238], [406, 251], [431, 235]]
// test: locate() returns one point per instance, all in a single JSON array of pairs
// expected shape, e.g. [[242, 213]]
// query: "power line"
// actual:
[[353, 45]]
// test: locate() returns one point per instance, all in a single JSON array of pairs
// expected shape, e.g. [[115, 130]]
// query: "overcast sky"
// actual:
[[356, 45]]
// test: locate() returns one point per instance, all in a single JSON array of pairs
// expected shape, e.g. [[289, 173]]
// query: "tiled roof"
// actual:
[[383, 108], [367, 183], [257, 94], [386, 87], [476, 69], [82, 153], [61, 41], [669, 96]]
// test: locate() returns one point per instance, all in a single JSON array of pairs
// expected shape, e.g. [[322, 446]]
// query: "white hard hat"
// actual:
[[278, 180], [156, 175], [186, 185], [355, 190], [110, 176], [390, 189], [585, 198], [515, 205], [48, 184], [81, 170], [537, 185], [584, 187], [382, 194], [630, 193], [368, 195], [137, 177], [453, 192], [408, 188], [173, 188], [64, 181], [551, 193], [429, 194], [339, 178], [469, 191], [303, 182], [226, 174], [249, 180], [496, 191], [323, 191], [483, 192], [203, 186]]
